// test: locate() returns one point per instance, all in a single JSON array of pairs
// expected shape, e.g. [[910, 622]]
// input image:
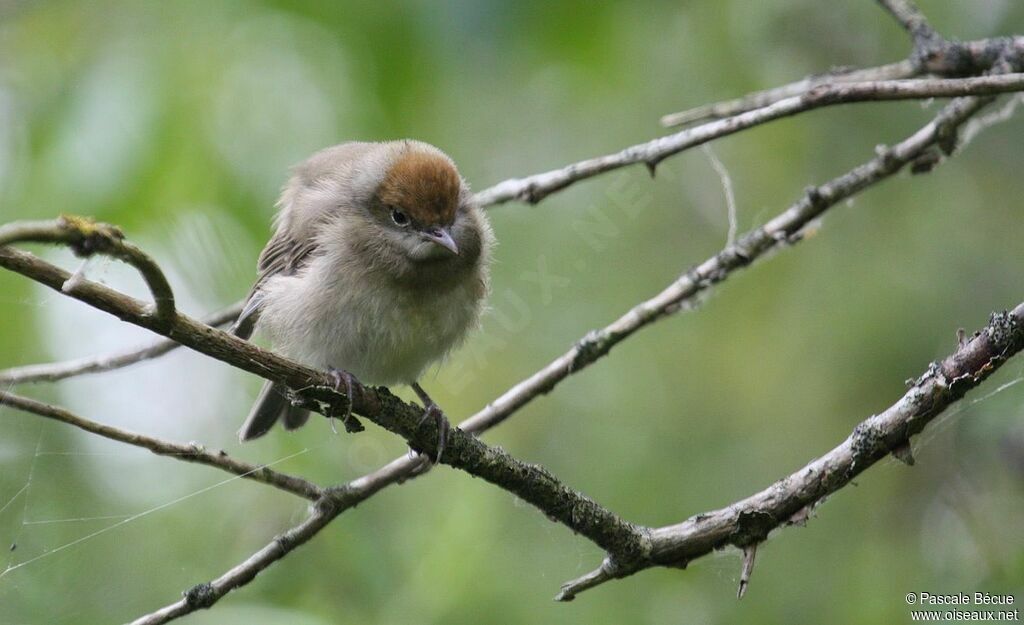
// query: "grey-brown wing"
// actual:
[[294, 242], [285, 254]]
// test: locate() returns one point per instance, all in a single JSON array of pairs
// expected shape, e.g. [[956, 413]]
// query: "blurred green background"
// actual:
[[178, 121]]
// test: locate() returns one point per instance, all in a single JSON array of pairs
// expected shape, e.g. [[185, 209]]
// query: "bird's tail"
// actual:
[[271, 404]]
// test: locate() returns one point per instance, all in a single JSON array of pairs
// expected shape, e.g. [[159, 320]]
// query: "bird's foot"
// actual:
[[341, 378], [432, 411]]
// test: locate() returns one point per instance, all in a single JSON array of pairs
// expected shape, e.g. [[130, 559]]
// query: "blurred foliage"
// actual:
[[178, 121]]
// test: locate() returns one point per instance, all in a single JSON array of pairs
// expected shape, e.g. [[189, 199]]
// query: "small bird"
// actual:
[[378, 267]]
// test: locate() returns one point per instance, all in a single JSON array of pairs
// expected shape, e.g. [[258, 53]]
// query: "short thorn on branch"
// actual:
[[749, 552], [602, 574], [904, 454]]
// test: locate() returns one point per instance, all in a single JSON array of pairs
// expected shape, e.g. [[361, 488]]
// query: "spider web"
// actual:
[[124, 519], [73, 507], [27, 523]]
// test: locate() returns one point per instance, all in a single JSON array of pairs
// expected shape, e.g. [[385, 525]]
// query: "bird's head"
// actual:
[[419, 204]]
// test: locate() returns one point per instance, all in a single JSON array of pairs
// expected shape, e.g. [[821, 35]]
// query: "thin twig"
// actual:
[[749, 521], [85, 238], [730, 195], [781, 230], [982, 122], [910, 18], [759, 99], [534, 188], [191, 452], [931, 55], [55, 371], [205, 595]]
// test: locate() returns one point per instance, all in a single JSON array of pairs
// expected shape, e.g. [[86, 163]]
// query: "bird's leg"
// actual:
[[431, 409], [338, 378]]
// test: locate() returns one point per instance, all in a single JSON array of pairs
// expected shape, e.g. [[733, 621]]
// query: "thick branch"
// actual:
[[530, 482], [748, 522], [779, 231], [55, 371], [189, 453], [534, 188]]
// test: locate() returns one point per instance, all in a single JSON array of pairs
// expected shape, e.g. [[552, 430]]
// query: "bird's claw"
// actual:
[[432, 410], [341, 378]]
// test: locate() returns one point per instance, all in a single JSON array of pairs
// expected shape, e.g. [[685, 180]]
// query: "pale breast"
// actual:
[[383, 334]]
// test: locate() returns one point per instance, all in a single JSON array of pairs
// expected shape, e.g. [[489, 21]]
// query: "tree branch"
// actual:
[[748, 522], [931, 55], [334, 502], [191, 452], [56, 371], [760, 99], [783, 229], [531, 483], [779, 231], [910, 18], [86, 238], [630, 547], [534, 188], [205, 595]]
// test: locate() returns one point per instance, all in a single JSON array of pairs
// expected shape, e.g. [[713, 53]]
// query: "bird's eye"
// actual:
[[399, 217]]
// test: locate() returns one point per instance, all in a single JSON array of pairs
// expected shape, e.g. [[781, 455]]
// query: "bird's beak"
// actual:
[[442, 237]]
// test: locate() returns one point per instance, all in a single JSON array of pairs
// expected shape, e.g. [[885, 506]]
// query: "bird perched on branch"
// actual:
[[377, 268]]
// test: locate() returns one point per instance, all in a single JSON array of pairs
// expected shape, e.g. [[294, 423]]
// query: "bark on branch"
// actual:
[[535, 188], [531, 483], [748, 522], [780, 231], [932, 55], [191, 452], [85, 238], [56, 371], [630, 547], [910, 18]]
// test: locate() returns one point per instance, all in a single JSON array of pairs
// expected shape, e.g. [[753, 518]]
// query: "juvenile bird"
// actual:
[[377, 268]]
